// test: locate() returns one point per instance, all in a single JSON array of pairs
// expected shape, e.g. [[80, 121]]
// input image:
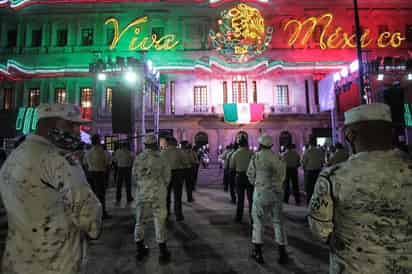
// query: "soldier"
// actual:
[[187, 173], [194, 165], [239, 162], [123, 158], [266, 172], [362, 207], [232, 173], [51, 209], [292, 160], [176, 160], [151, 173], [226, 167], [97, 163], [312, 163], [340, 155]]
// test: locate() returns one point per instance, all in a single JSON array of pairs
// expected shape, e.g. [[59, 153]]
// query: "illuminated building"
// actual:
[[208, 54]]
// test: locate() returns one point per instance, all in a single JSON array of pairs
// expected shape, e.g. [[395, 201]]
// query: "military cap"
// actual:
[[266, 140], [68, 112], [368, 112]]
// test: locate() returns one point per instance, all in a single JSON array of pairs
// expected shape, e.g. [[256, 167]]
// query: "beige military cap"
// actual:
[[368, 112], [67, 112], [265, 140], [150, 139]]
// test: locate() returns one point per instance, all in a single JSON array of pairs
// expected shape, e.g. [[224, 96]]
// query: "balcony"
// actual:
[[277, 109], [201, 109]]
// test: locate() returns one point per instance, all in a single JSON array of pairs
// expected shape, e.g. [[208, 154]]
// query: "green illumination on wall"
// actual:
[[26, 120], [407, 114], [20, 118]]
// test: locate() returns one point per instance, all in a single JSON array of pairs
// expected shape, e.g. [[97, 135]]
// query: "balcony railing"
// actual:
[[200, 109]]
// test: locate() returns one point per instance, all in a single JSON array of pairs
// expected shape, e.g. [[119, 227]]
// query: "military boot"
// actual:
[[141, 250], [257, 253], [164, 256], [283, 255]]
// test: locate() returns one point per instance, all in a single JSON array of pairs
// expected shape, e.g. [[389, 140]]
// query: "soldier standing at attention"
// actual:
[[51, 209], [174, 157], [292, 160], [340, 155], [362, 207], [231, 173], [267, 172], [151, 173], [312, 163], [124, 161], [194, 167], [97, 162], [239, 162]]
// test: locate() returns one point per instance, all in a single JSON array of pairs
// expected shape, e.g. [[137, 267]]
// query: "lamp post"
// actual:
[[359, 54]]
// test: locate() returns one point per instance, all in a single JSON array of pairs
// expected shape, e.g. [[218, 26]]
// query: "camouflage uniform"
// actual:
[[267, 172], [51, 210], [152, 176], [363, 209], [312, 163]]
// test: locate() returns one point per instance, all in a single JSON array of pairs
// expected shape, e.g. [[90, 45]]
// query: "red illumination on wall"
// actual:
[[348, 99]]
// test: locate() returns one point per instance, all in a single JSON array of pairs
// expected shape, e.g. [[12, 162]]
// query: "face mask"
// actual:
[[65, 140]]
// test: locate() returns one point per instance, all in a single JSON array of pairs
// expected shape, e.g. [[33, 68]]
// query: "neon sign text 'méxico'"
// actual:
[[337, 38], [166, 42]]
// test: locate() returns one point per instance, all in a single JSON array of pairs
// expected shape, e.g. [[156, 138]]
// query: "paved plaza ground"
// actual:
[[206, 242]]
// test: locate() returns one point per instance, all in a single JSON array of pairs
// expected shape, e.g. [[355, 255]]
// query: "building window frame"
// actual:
[[225, 94], [282, 95], [8, 98], [87, 36], [36, 37], [86, 97], [62, 35], [172, 97], [60, 95], [34, 97], [12, 38], [162, 98], [200, 99], [254, 92], [239, 92], [108, 99]]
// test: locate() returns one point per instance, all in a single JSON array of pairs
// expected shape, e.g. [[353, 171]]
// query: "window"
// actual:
[[12, 38], [162, 98], [254, 90], [153, 97], [62, 37], [60, 95], [159, 32], [224, 92], [239, 94], [282, 95], [172, 97], [408, 33], [86, 97], [34, 97], [200, 99], [110, 142], [87, 37], [109, 35], [36, 38], [7, 98], [109, 99]]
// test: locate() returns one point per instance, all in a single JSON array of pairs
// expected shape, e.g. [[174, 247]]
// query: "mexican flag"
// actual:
[[243, 113]]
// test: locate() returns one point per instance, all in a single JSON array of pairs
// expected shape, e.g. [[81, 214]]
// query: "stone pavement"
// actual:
[[206, 242]]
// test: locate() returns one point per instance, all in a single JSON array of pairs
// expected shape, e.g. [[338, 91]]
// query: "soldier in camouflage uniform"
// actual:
[[267, 172], [151, 174], [363, 208], [51, 209], [340, 155]]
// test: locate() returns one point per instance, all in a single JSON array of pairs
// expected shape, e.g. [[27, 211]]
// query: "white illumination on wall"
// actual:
[[380, 77], [354, 66], [409, 76], [130, 77], [101, 77], [344, 72]]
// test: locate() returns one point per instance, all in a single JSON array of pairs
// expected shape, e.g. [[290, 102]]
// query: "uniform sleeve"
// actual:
[[135, 173], [280, 174], [321, 210], [251, 170], [79, 200], [304, 160], [167, 173], [232, 162]]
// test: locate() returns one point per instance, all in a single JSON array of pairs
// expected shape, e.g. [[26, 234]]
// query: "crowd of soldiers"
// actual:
[[359, 205]]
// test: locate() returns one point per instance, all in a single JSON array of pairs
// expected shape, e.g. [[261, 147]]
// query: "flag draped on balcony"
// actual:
[[243, 113]]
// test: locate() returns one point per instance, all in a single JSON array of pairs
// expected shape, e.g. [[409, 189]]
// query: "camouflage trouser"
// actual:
[[267, 205], [144, 212]]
